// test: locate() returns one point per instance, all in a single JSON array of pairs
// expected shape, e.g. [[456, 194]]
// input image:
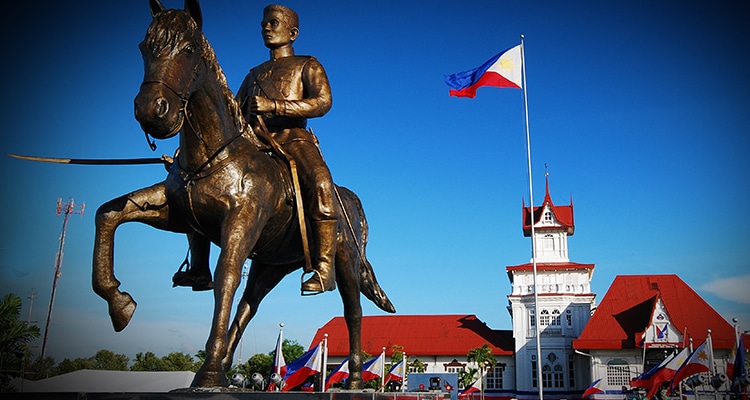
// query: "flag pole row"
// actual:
[[691, 368], [285, 377]]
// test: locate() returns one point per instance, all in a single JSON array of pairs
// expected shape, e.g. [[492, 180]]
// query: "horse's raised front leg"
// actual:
[[148, 205], [238, 237], [261, 279]]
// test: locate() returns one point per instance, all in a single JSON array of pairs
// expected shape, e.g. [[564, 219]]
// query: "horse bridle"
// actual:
[[184, 96]]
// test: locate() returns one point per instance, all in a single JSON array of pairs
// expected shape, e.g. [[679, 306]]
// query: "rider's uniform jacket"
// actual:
[[298, 84]]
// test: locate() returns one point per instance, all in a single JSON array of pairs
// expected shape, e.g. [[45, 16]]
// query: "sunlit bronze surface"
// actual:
[[226, 186]]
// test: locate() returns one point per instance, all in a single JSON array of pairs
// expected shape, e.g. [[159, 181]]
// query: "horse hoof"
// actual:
[[354, 384], [209, 379], [121, 309]]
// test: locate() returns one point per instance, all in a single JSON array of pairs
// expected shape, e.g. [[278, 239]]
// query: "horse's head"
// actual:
[[172, 57]]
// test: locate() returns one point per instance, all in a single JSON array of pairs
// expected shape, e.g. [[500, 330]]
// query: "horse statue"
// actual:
[[226, 185]]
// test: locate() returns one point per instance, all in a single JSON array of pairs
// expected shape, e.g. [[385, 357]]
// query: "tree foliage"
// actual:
[[147, 361], [174, 361], [39, 368], [262, 363], [418, 365], [484, 359], [482, 356], [67, 365], [110, 361], [291, 349], [15, 336], [102, 360]]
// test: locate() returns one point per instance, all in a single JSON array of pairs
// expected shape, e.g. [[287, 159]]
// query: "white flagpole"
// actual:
[[531, 215], [405, 372], [324, 364], [281, 343], [711, 362], [382, 370]]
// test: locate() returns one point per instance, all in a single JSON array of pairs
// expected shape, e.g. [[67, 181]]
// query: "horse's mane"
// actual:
[[167, 30]]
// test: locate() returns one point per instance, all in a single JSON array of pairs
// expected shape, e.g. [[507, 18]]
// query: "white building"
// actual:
[[640, 320], [564, 300]]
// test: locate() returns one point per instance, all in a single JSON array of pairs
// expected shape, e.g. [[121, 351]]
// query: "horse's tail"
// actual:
[[371, 289], [368, 284]]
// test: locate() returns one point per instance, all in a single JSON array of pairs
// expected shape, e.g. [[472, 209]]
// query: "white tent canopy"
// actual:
[[96, 381]]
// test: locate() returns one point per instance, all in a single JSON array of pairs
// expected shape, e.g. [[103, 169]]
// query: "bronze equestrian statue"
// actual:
[[226, 185], [285, 91]]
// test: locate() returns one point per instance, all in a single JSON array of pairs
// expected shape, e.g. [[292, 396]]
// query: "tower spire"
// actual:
[[547, 197]]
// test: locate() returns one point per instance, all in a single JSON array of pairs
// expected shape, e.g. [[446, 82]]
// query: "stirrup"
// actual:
[[183, 277], [178, 277], [312, 292]]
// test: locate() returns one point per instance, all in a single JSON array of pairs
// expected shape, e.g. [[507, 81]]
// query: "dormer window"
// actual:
[[547, 218]]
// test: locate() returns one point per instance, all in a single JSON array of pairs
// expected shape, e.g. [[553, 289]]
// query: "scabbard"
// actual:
[[90, 161]]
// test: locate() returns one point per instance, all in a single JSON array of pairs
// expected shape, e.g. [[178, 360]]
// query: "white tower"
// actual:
[[564, 299]]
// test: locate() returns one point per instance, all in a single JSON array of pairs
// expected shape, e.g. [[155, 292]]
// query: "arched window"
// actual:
[[558, 380], [546, 376], [544, 318], [556, 317], [618, 372]]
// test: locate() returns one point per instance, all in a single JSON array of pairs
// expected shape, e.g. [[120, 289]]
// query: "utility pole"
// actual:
[[31, 305], [66, 209]]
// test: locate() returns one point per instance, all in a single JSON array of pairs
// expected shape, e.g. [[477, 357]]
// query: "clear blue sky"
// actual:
[[640, 110]]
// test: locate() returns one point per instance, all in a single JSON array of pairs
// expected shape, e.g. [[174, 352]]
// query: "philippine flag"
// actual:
[[699, 361], [736, 363], [502, 70], [596, 387], [396, 373], [660, 374], [373, 368], [474, 387], [300, 369], [279, 365], [339, 374]]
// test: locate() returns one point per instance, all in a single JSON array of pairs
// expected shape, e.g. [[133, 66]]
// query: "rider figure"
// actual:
[[284, 91]]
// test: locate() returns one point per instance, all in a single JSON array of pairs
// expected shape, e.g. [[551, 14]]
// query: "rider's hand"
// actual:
[[168, 161], [261, 105]]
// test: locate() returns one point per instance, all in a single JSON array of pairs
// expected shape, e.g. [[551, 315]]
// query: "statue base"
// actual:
[[226, 394]]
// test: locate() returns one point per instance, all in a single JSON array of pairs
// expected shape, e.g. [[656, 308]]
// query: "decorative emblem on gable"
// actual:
[[662, 332]]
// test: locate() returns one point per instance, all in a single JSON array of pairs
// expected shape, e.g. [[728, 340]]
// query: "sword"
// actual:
[[92, 161]]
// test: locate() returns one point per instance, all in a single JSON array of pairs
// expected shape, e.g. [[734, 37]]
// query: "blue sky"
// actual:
[[639, 109]]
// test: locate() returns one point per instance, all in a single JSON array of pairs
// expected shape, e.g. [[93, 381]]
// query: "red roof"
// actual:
[[553, 266], [626, 309], [419, 335], [563, 214]]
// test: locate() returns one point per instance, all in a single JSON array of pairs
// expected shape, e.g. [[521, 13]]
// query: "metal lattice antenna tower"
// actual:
[[66, 209]]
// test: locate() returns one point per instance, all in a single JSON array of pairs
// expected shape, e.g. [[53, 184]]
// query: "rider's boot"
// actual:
[[197, 274], [324, 272], [196, 277]]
